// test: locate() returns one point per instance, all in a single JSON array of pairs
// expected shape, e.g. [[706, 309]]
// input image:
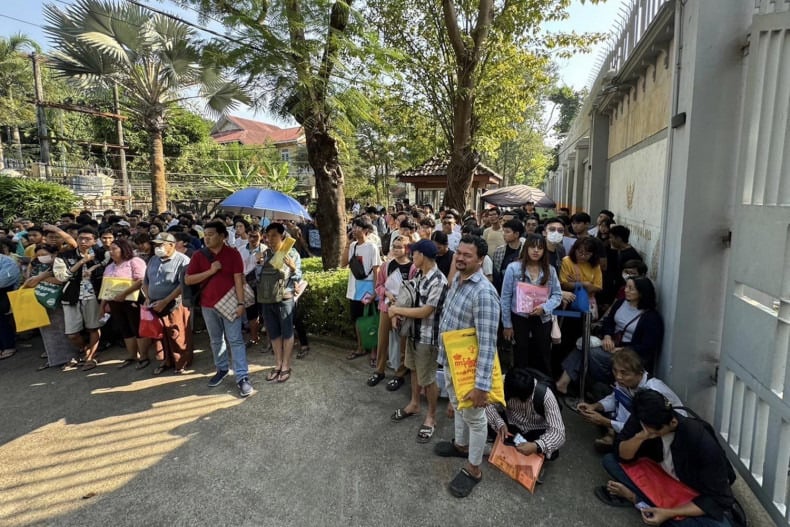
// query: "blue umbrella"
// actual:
[[266, 203]]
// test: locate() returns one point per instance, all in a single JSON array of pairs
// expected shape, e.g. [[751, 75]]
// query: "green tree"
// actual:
[[16, 88], [153, 58], [300, 53], [477, 66], [566, 102]]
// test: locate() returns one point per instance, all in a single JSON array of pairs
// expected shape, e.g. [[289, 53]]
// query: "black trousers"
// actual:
[[533, 343]]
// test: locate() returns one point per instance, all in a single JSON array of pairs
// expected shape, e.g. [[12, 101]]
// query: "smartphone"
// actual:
[[642, 506], [518, 439]]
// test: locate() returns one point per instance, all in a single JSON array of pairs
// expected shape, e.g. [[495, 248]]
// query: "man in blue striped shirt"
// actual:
[[472, 302]]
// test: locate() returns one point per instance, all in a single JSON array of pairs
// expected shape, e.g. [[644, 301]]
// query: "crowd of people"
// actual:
[[505, 273]]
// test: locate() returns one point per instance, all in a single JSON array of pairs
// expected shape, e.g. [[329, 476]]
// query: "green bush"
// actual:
[[39, 201], [324, 304], [312, 265]]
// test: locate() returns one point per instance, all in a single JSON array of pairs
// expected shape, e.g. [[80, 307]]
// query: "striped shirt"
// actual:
[[473, 303], [432, 289], [523, 416]]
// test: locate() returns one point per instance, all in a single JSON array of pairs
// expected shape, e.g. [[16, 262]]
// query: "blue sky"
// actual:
[[575, 72]]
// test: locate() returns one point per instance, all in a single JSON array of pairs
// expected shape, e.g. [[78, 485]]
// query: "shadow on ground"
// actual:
[[122, 447]]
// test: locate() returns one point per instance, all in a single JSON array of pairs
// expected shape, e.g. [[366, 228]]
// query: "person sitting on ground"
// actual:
[[632, 323], [545, 434], [687, 451], [614, 410], [422, 346]]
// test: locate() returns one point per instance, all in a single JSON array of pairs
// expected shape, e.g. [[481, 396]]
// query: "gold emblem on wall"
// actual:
[[629, 195]]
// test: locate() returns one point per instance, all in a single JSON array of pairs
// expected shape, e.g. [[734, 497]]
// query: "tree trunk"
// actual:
[[17, 141], [463, 158], [158, 180], [322, 155]]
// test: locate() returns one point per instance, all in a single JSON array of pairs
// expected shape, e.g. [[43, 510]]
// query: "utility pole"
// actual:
[[41, 118], [119, 128]]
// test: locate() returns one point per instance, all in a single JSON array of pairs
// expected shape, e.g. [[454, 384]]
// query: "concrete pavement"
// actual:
[[122, 447]]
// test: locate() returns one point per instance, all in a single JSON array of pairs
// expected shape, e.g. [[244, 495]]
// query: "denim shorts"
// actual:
[[279, 319]]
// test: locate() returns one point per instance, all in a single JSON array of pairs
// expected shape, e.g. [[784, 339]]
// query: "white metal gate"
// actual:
[[753, 400]]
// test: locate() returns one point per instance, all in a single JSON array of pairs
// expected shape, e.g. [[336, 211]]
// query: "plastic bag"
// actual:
[[28, 312], [368, 327], [461, 349], [150, 324]]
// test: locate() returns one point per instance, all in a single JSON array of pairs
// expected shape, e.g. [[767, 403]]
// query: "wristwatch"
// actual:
[[240, 304]]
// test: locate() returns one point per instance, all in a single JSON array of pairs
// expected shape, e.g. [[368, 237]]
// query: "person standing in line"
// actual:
[[219, 270], [472, 302], [163, 291]]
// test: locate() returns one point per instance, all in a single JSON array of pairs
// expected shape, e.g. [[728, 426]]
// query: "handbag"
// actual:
[[356, 267], [556, 333], [618, 336], [48, 295], [582, 300], [368, 327], [28, 312], [150, 324]]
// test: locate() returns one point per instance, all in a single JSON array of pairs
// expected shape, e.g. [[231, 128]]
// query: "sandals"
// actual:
[[161, 368], [463, 483], [356, 354], [376, 378], [395, 383], [284, 375], [141, 364], [603, 494], [303, 351], [7, 354], [89, 365], [425, 433], [125, 363], [449, 449], [273, 375], [401, 414]]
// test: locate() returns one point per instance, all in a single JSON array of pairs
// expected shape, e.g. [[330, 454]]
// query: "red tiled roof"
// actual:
[[251, 132]]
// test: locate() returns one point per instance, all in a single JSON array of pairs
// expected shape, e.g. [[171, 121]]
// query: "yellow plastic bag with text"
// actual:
[[112, 286], [461, 349], [28, 312]]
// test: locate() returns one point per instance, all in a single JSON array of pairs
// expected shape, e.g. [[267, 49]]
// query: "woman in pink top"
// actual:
[[126, 313]]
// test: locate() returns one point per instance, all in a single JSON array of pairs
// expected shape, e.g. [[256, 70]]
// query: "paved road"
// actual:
[[122, 447]]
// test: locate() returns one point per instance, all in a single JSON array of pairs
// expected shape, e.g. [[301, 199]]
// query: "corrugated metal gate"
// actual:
[[752, 410]]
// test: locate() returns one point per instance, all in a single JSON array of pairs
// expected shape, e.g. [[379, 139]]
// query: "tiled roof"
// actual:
[[249, 132], [437, 167]]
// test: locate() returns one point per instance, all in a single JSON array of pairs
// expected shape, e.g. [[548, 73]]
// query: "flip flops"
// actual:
[[425, 433], [603, 494], [401, 414], [448, 449]]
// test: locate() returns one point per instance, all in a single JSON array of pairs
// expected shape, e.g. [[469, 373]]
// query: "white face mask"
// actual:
[[554, 237], [47, 259], [160, 251]]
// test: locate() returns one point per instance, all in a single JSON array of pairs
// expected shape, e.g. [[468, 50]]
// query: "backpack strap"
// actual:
[[539, 398]]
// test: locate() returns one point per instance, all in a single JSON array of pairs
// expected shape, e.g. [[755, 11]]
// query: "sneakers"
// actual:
[[245, 388], [216, 380]]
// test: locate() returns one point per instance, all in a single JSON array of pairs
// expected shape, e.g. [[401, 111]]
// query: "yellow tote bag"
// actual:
[[461, 349], [112, 287], [28, 312]]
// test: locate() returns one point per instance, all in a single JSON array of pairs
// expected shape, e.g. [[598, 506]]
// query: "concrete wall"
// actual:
[[644, 111], [636, 195], [700, 195]]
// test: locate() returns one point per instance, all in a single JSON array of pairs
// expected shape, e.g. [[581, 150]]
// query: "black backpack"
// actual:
[[544, 382], [736, 514], [190, 294]]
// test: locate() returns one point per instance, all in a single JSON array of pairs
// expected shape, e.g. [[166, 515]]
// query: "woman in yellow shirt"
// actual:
[[581, 265]]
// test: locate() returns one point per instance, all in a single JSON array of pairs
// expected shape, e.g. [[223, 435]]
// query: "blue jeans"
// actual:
[[600, 365], [613, 468], [219, 328]]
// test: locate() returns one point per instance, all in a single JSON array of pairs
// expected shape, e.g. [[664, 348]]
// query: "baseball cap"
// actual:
[[163, 237], [426, 247]]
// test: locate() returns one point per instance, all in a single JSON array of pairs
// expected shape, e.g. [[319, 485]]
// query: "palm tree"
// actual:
[[155, 60], [16, 86]]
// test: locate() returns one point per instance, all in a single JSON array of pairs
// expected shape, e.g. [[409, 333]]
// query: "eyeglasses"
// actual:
[[397, 246], [582, 252]]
